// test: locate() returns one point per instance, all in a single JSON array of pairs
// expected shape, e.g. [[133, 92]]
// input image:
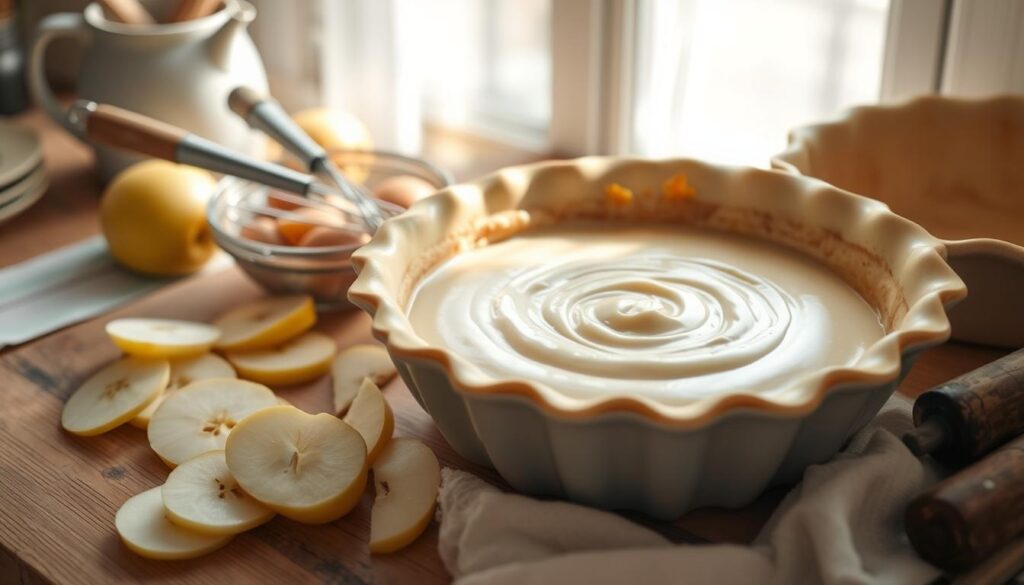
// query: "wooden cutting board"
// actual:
[[59, 493]]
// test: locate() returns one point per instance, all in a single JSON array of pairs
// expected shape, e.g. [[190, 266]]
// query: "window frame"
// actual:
[[931, 46]]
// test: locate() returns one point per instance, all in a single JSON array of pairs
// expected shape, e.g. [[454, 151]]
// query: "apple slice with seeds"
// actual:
[[202, 495], [308, 467], [352, 366], [145, 530], [199, 417], [265, 323], [406, 478], [300, 360], [371, 416], [162, 338], [184, 371], [114, 395]]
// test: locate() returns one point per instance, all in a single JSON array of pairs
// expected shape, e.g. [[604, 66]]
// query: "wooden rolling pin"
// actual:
[[192, 9], [127, 11], [968, 516], [969, 416]]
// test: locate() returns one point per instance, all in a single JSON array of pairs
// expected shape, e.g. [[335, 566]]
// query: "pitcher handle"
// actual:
[[993, 271], [64, 24]]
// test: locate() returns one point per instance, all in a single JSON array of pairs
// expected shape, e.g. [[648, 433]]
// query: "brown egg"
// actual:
[[293, 230], [403, 190], [262, 229], [278, 203], [319, 237]]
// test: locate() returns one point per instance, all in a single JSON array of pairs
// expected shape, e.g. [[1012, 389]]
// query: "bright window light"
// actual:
[[723, 80]]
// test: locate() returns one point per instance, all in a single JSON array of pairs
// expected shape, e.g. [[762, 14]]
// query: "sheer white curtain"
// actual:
[[471, 65], [369, 67], [724, 80]]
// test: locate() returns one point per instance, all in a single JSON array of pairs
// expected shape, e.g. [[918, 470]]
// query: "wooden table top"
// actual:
[[59, 493]]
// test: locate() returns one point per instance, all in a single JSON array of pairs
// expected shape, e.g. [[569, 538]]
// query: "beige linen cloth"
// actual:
[[841, 524]]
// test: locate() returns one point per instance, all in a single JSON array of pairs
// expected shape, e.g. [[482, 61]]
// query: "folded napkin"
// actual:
[[841, 524], [69, 285]]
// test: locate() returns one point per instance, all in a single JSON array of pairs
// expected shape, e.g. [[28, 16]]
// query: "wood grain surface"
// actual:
[[59, 493]]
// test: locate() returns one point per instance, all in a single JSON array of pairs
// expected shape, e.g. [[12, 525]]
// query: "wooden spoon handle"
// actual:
[[127, 11], [119, 128], [192, 9]]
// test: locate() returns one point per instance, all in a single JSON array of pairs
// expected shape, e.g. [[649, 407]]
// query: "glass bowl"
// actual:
[[325, 273]]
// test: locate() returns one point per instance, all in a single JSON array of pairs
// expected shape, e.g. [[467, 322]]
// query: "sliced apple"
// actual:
[[184, 371], [162, 338], [406, 478], [265, 323], [372, 418], [311, 468], [114, 395], [300, 360], [202, 495], [355, 364], [145, 530], [199, 417]]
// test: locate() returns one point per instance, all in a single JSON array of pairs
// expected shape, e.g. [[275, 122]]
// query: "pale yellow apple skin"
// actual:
[[153, 215], [337, 130], [334, 129], [257, 454], [184, 371], [146, 531], [201, 495], [352, 365], [299, 360], [407, 479], [265, 323], [114, 395], [371, 416], [144, 337]]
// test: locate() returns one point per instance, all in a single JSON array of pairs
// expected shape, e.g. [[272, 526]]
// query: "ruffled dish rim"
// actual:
[[925, 323]]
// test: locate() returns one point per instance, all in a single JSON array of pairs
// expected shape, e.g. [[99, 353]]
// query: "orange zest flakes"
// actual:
[[616, 194], [678, 188]]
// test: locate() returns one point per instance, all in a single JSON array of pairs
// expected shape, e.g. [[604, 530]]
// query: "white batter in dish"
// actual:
[[668, 312]]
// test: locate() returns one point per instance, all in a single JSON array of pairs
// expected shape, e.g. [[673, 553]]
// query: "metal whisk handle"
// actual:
[[266, 115], [119, 128]]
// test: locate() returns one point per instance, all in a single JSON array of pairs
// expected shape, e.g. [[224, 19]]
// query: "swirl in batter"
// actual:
[[671, 313]]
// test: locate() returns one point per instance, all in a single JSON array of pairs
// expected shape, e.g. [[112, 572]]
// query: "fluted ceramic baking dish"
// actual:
[[956, 166], [628, 452]]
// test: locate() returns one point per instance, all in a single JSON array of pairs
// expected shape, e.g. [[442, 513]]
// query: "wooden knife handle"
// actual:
[[120, 128], [192, 9], [968, 516], [127, 11], [969, 416]]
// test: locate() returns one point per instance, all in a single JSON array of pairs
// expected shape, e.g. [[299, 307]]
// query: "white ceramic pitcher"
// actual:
[[180, 73]]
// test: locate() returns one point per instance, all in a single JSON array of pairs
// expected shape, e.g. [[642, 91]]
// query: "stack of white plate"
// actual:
[[23, 178]]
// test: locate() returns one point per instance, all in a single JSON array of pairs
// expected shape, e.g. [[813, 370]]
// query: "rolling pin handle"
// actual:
[[929, 437]]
